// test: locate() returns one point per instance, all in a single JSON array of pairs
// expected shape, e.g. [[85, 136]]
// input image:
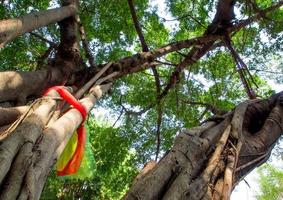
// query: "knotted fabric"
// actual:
[[73, 164]]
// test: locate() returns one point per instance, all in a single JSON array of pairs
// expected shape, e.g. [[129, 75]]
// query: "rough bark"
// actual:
[[206, 162], [68, 54], [12, 28]]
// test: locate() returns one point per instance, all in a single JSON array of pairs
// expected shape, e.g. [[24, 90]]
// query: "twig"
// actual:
[[167, 63], [212, 108], [53, 44], [253, 161], [130, 112], [185, 16], [119, 117]]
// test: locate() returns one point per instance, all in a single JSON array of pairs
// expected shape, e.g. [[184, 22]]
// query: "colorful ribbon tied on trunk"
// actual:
[[70, 160]]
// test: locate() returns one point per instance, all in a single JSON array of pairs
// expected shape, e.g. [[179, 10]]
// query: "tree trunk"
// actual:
[[207, 162], [30, 147]]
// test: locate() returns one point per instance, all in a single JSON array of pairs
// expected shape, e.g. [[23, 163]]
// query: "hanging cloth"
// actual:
[[70, 160]]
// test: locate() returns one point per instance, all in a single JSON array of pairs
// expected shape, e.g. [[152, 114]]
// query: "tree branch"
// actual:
[[86, 44], [12, 28], [186, 16], [212, 108], [137, 26], [243, 23], [51, 43], [241, 67], [155, 73]]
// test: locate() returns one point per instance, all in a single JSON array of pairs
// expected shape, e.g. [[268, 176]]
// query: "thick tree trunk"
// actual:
[[12, 28], [30, 147], [206, 162]]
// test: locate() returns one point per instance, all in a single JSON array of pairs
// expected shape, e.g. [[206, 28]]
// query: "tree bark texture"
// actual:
[[207, 162]]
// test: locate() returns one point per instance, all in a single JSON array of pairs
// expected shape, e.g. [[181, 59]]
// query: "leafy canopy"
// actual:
[[120, 150]]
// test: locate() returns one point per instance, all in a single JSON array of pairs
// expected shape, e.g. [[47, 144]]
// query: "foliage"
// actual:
[[271, 183], [114, 169], [119, 151]]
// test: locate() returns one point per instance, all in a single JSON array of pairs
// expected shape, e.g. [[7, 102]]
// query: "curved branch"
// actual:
[[243, 23]]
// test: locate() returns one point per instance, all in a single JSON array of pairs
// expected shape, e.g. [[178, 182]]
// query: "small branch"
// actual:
[[137, 26], [52, 44], [193, 56], [186, 16], [253, 161], [158, 138], [212, 108], [92, 81], [259, 15], [85, 43], [241, 67], [266, 71], [180, 53], [167, 63], [157, 81], [130, 112], [119, 117]]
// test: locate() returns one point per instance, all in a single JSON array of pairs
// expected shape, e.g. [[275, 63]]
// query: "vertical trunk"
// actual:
[[12, 28], [207, 161]]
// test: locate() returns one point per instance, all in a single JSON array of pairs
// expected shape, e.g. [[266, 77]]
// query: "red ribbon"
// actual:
[[74, 163]]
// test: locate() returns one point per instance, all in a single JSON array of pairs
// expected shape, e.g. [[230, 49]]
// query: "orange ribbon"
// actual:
[[74, 163]]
